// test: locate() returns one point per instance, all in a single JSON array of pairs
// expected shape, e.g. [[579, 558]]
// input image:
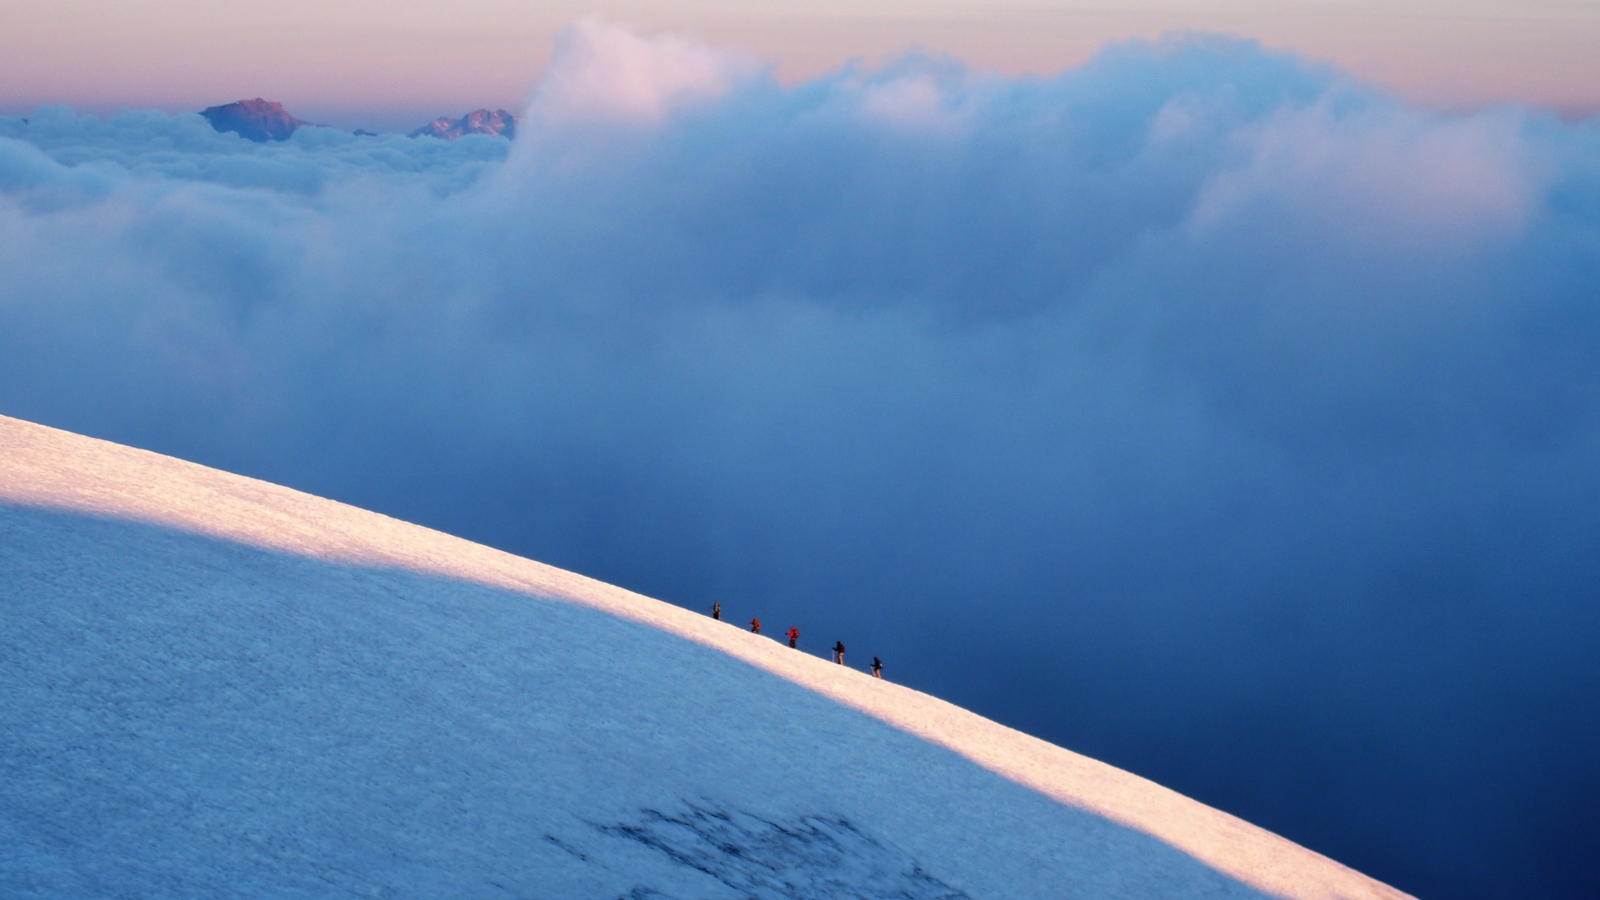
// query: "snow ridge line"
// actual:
[[50, 469]]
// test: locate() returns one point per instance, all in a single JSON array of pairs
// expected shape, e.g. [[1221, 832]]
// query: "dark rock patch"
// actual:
[[811, 858]]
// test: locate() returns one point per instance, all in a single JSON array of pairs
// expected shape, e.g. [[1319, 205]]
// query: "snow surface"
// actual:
[[214, 686]]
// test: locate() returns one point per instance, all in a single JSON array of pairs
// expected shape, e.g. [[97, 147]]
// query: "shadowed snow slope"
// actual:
[[217, 686]]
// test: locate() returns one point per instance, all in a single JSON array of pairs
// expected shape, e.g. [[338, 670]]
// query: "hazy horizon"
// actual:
[[381, 65]]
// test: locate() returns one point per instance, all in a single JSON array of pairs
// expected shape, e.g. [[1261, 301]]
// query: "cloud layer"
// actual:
[[1197, 409]]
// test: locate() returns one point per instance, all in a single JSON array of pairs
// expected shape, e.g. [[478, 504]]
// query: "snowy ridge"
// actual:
[[941, 833]]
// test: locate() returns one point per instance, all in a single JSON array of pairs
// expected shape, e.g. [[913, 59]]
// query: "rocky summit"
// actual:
[[498, 123], [254, 120]]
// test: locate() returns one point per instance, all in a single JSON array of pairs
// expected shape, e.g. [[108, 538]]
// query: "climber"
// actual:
[[794, 635], [755, 626], [838, 652], [877, 668]]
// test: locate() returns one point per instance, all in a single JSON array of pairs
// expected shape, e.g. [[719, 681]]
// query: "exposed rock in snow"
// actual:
[[214, 686], [811, 857]]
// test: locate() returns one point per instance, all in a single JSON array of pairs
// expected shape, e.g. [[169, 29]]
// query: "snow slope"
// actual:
[[214, 686]]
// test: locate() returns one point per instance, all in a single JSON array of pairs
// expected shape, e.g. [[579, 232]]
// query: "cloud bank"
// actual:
[[1197, 409]]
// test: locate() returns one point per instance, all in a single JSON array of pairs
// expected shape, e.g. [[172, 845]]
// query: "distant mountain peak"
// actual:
[[255, 120], [497, 123]]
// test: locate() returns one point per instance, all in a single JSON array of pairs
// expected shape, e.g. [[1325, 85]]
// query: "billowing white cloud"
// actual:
[[604, 73], [1197, 408], [1390, 173]]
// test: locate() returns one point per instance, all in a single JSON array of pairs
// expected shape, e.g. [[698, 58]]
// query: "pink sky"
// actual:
[[384, 63]]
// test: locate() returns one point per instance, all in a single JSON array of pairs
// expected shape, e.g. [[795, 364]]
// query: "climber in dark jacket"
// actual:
[[716, 611], [877, 668], [838, 652]]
